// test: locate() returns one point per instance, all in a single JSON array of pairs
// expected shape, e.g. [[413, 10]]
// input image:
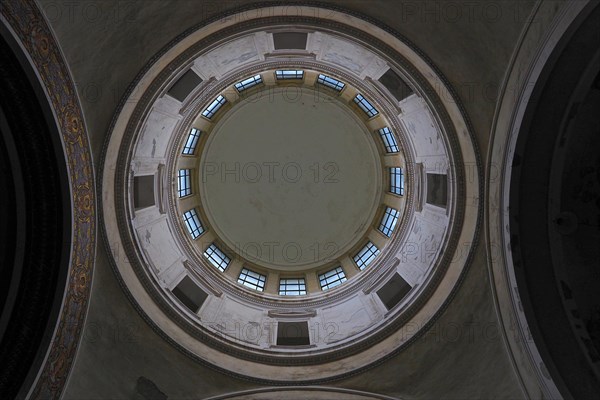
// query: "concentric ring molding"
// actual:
[[366, 348]]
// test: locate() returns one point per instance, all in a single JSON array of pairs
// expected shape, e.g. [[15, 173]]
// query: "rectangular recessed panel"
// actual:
[[393, 291], [437, 189], [252, 279], [397, 87], [190, 294], [366, 255], [332, 278], [388, 221], [292, 287], [191, 142], [396, 181], [143, 191], [184, 85], [293, 333], [290, 40]]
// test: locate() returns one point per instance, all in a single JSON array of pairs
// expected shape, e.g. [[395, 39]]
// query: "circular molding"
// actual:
[[359, 351]]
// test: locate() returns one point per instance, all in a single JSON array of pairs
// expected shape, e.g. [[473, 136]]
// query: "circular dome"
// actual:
[[285, 191], [290, 178]]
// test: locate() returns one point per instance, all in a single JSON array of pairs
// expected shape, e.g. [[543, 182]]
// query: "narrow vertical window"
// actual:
[[366, 255], [248, 83], [396, 181], [367, 107], [212, 109], [184, 182], [289, 74], [217, 257], [252, 279], [332, 278], [292, 287], [193, 224], [192, 141], [331, 82], [388, 222], [389, 141]]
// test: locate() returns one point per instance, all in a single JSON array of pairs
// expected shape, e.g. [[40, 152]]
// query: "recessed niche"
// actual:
[[393, 291], [293, 334], [184, 85], [190, 294], [143, 191], [290, 40], [437, 189], [396, 85]]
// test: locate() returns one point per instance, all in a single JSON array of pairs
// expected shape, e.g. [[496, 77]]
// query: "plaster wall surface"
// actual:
[[461, 356]]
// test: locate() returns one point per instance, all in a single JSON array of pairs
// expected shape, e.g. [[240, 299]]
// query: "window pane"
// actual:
[[193, 223], [365, 105], [289, 74], [191, 142], [388, 222], [396, 181], [214, 107], [252, 279], [331, 82], [389, 141], [217, 257], [292, 287], [332, 278], [184, 181], [366, 255], [248, 83]]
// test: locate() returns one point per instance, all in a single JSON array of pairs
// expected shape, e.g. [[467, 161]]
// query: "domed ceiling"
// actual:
[[289, 191]]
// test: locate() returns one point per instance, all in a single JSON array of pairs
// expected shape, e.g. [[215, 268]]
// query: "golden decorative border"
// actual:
[[36, 38]]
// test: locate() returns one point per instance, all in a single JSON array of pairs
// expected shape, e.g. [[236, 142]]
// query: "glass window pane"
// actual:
[[289, 74], [252, 279], [396, 181], [292, 287], [184, 187], [366, 255], [248, 83], [388, 222], [331, 82], [367, 107], [332, 278], [193, 224], [212, 109], [389, 141], [217, 257], [191, 142]]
